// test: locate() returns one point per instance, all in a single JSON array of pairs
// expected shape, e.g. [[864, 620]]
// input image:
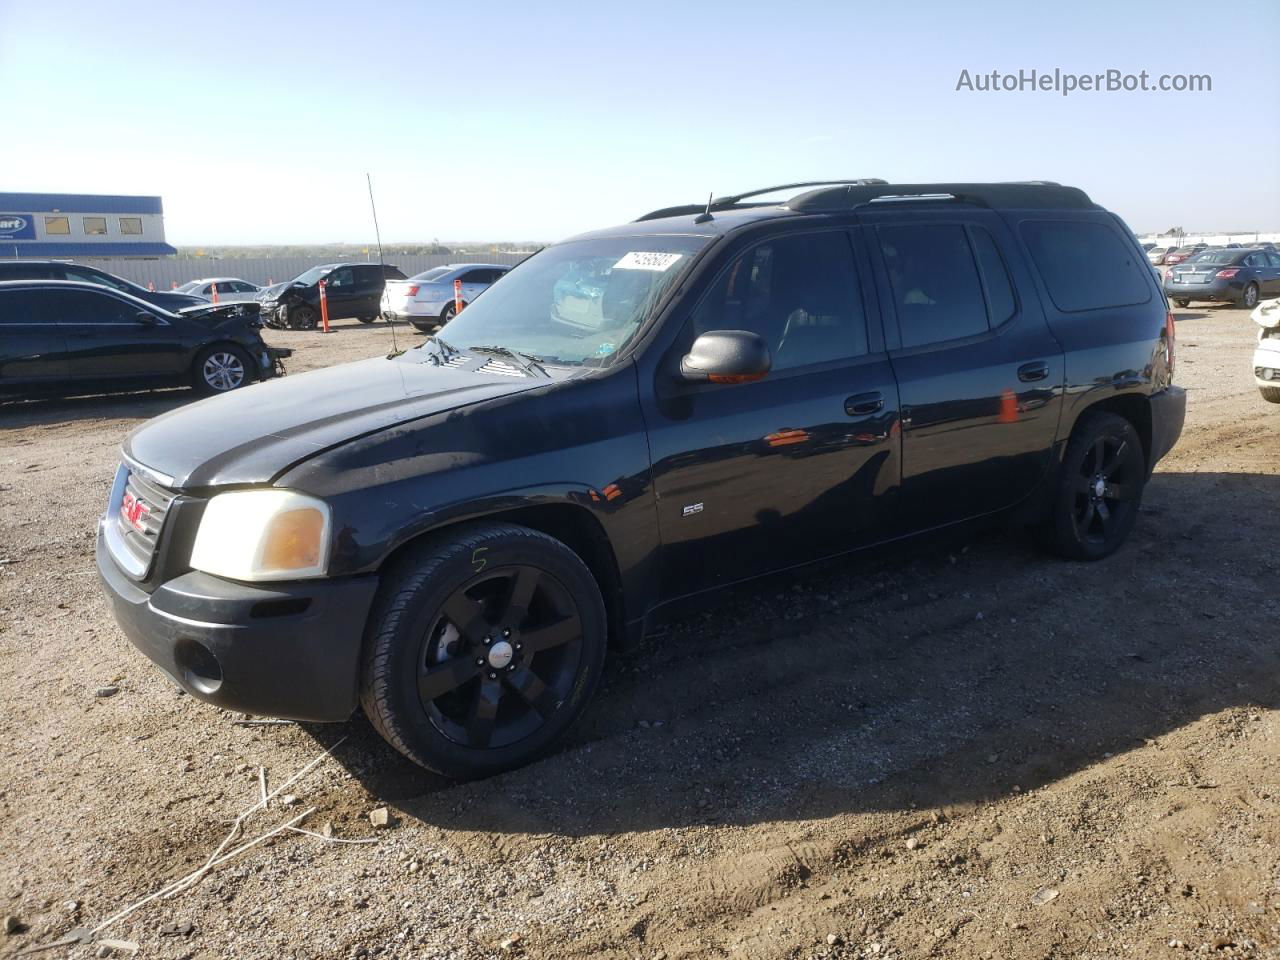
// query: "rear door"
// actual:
[[754, 477], [32, 349], [979, 372], [111, 338], [1273, 273]]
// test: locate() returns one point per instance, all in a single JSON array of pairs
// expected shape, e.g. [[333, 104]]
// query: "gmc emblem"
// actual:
[[134, 512]]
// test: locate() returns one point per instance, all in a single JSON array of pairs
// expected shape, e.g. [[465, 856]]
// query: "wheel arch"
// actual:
[[573, 525], [1134, 407]]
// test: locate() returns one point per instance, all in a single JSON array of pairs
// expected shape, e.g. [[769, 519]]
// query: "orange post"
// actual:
[[151, 285], [324, 308], [457, 296], [173, 284], [213, 289]]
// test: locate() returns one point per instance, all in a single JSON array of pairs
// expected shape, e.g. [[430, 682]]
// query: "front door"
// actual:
[[979, 373], [754, 477], [110, 338]]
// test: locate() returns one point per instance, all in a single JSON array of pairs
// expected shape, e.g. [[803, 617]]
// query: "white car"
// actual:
[[230, 289], [1266, 358], [427, 299]]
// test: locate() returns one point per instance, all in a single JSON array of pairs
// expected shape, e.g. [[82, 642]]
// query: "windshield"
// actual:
[[575, 302], [435, 273], [312, 275], [1215, 257]]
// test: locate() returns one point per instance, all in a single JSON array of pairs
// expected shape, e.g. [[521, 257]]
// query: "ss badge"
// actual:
[[691, 509]]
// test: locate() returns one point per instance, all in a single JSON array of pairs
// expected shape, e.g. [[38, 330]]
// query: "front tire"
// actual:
[[484, 645], [1270, 394], [1249, 299], [1099, 488], [423, 327], [221, 369], [447, 313], [302, 318], [366, 319]]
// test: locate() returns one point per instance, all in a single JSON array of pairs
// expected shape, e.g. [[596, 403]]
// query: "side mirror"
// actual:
[[726, 356], [145, 318]]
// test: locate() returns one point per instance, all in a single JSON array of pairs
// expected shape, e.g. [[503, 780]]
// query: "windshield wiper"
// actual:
[[525, 361]]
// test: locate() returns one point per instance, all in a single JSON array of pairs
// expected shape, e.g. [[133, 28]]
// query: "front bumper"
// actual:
[[288, 650], [1222, 291], [1266, 363], [1168, 414]]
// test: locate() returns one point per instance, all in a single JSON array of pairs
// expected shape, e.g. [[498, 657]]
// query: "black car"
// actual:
[[57, 270], [351, 290], [1243, 276], [451, 536], [63, 337]]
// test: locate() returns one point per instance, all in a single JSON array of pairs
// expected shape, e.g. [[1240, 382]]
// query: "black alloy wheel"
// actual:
[[483, 646], [1103, 473]]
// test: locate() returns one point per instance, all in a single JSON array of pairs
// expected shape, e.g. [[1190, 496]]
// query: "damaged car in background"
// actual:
[[65, 337]]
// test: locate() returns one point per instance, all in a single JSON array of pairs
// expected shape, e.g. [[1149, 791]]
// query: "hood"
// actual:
[[252, 435], [273, 292], [216, 315], [1267, 314]]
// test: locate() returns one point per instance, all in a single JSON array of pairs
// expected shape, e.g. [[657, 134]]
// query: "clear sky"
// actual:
[[257, 121]]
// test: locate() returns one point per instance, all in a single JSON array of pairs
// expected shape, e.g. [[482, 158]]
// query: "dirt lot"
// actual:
[[968, 750]]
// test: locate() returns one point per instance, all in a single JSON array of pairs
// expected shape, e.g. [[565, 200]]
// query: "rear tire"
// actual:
[[1270, 394], [1182, 302], [221, 369], [483, 646], [1099, 489], [366, 319], [1249, 299], [423, 327]]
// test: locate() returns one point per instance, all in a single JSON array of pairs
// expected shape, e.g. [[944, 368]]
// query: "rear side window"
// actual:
[[84, 307], [936, 289], [1086, 266], [799, 293]]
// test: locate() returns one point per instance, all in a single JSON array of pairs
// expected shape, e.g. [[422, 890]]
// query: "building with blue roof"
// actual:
[[81, 225]]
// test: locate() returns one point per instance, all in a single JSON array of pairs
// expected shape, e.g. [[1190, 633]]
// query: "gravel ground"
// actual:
[[966, 749]]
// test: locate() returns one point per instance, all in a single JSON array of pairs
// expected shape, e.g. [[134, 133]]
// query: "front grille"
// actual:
[[140, 540]]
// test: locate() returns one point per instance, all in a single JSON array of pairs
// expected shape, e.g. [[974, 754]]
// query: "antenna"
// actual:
[[377, 233], [705, 215]]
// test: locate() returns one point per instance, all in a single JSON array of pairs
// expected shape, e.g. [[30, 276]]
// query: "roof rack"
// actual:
[[723, 203], [1026, 195]]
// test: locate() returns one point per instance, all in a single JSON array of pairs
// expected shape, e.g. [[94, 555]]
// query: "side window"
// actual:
[[1085, 265], [1255, 260], [84, 307], [342, 277], [1274, 258], [476, 276], [239, 286], [75, 273], [21, 306], [368, 276], [935, 283], [995, 277], [800, 293]]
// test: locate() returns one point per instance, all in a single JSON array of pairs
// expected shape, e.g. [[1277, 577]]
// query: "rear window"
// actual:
[[1085, 266], [435, 273]]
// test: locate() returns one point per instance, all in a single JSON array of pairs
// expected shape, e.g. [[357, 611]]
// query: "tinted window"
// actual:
[[343, 277], [368, 276], [239, 286], [391, 273], [935, 282], [995, 277], [1255, 260], [476, 276], [20, 306], [1085, 266], [92, 276], [26, 271], [800, 293], [1274, 259], [435, 273], [86, 307]]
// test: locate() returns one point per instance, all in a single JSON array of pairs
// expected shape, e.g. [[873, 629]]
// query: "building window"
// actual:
[[95, 226], [131, 226], [57, 226]]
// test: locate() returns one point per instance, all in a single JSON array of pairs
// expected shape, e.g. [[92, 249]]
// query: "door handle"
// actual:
[[861, 404], [1030, 372]]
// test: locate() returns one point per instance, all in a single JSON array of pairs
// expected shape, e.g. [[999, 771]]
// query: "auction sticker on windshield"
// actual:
[[647, 261]]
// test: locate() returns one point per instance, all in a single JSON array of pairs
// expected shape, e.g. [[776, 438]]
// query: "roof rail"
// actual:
[[1027, 194], [722, 203]]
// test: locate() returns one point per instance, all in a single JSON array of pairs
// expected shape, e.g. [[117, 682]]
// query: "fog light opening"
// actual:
[[200, 668]]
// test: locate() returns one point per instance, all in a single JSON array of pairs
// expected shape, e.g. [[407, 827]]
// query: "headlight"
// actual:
[[263, 535]]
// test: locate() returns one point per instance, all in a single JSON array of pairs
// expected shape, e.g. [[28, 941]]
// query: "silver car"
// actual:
[[427, 299], [230, 289]]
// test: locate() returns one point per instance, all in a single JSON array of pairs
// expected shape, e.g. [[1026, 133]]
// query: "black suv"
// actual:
[[451, 536], [60, 337], [351, 290], [57, 270]]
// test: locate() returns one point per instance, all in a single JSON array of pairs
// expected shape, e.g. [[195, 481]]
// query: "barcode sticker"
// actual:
[[647, 261]]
